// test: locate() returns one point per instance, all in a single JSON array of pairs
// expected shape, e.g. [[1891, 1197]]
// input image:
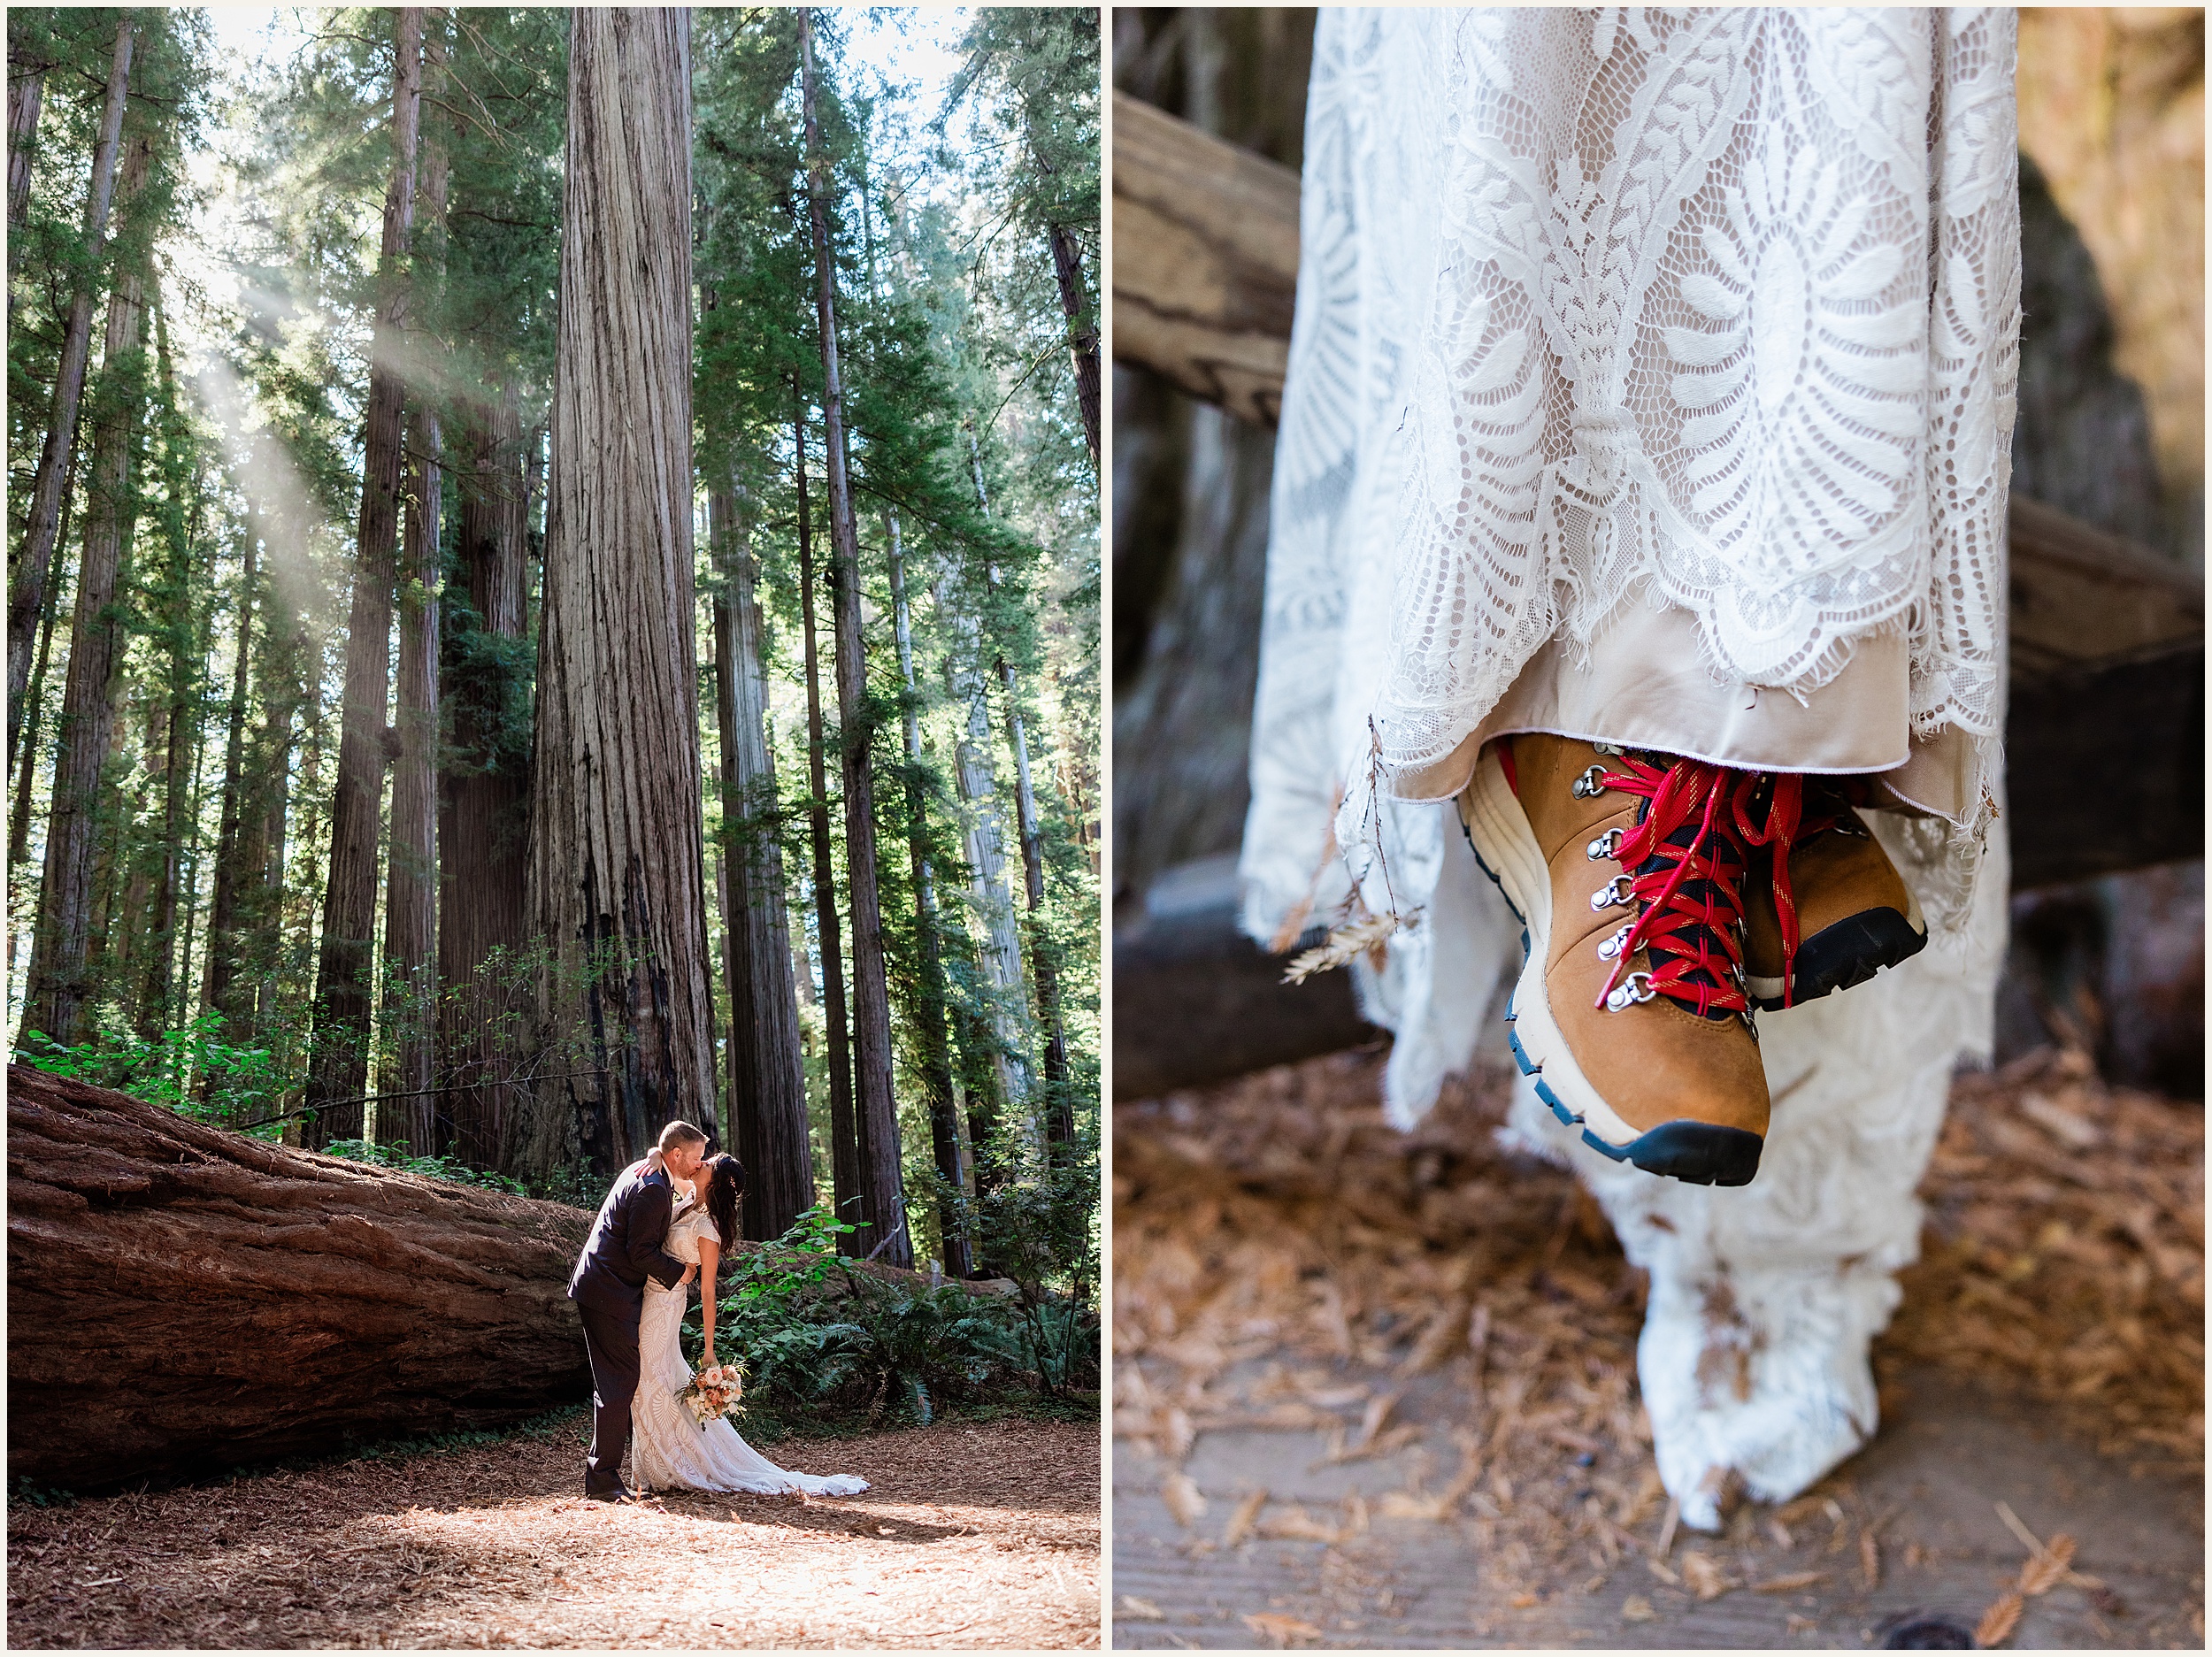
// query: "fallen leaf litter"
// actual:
[[1270, 1234], [974, 1535]]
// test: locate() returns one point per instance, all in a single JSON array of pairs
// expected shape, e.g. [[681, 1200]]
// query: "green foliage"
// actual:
[[431, 1166], [237, 1084]]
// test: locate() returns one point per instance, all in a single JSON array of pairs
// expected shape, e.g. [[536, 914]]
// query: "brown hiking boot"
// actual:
[[1826, 908], [1627, 872]]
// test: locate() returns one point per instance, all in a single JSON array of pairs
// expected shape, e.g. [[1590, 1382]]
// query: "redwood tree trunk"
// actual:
[[184, 1300], [410, 889], [42, 525], [767, 1096], [222, 925], [944, 1124], [617, 877], [60, 983], [845, 1188], [339, 1068], [484, 805], [1067, 265], [875, 1112], [25, 91]]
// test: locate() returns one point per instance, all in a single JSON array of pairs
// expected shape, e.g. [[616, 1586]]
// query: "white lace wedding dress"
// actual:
[[670, 1450], [1689, 335]]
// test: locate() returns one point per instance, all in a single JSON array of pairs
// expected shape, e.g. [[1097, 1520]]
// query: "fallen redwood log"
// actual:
[[182, 1300]]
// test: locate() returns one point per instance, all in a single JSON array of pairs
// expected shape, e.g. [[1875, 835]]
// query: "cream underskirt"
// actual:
[[1646, 684]]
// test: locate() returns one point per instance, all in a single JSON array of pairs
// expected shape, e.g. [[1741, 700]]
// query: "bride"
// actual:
[[671, 1450]]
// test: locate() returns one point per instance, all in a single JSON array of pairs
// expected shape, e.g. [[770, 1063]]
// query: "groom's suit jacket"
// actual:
[[624, 1245]]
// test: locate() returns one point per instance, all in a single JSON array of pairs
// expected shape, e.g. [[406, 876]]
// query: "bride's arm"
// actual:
[[710, 1256]]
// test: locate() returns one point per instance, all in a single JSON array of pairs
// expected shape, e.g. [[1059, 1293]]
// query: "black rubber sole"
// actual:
[[1699, 1153], [1848, 953]]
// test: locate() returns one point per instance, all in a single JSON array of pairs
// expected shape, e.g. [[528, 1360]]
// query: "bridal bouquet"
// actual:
[[714, 1393]]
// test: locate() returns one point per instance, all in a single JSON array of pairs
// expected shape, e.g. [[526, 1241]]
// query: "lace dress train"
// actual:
[[671, 1450]]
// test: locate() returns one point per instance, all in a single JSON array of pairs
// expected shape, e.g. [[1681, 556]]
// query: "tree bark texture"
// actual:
[[1059, 1112], [222, 925], [27, 85], [936, 1066], [983, 842], [1067, 267], [847, 1191], [26, 764], [344, 987], [41, 524], [767, 1071], [875, 1109], [617, 875], [411, 890], [484, 809], [156, 998], [184, 1300], [60, 983]]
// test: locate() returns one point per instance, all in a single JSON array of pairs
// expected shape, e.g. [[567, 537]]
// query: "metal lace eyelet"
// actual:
[[1614, 945], [1616, 891], [1606, 845], [1589, 786], [1631, 990]]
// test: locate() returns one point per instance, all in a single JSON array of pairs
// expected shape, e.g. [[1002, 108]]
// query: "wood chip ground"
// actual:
[[1437, 1338], [974, 1535]]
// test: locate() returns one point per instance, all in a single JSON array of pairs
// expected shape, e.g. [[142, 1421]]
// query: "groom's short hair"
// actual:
[[680, 1134]]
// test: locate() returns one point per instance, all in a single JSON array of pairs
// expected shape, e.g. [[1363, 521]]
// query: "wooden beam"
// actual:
[[1205, 261]]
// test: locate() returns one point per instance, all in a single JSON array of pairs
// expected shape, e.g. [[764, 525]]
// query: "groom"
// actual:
[[608, 1286]]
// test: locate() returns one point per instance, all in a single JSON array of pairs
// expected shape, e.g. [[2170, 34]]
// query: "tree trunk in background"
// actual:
[[845, 1174], [419, 1306], [944, 1121], [410, 881], [26, 765], [41, 524], [411, 890], [617, 880], [222, 925], [54, 1000], [484, 805], [156, 1011], [344, 987], [875, 1109], [767, 1074], [25, 91], [1067, 267], [1058, 1110], [1002, 949]]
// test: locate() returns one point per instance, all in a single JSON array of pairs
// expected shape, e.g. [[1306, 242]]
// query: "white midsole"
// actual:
[[1508, 846]]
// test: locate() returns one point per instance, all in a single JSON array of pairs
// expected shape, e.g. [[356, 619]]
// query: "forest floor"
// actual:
[[1380, 1389], [974, 1534]]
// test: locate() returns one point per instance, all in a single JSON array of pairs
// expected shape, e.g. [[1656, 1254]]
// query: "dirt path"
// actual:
[[974, 1535]]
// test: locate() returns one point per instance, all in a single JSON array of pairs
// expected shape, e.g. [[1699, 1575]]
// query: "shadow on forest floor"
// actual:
[[974, 1534]]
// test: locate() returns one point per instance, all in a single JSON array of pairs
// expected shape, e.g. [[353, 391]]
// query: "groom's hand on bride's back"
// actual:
[[689, 1273]]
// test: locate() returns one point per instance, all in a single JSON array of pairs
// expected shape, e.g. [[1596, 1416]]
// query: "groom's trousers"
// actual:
[[611, 1337]]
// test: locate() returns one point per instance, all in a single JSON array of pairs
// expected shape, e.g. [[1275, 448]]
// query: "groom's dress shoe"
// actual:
[[621, 1493]]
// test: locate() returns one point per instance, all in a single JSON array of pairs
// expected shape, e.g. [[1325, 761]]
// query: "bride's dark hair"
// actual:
[[724, 1177]]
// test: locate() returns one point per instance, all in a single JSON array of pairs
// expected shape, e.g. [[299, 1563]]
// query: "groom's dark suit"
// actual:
[[608, 1286]]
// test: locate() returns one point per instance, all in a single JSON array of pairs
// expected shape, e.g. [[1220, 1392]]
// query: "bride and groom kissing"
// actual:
[[664, 1223]]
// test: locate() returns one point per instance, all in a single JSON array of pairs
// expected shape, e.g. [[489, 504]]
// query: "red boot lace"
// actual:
[[1690, 893], [1795, 814]]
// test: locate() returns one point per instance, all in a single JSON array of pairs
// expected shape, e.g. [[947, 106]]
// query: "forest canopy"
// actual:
[[392, 769]]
